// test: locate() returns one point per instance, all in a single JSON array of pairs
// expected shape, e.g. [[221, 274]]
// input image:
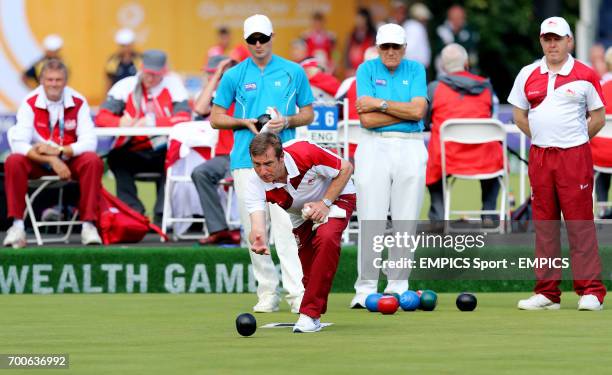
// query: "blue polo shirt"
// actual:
[[282, 84], [407, 82]]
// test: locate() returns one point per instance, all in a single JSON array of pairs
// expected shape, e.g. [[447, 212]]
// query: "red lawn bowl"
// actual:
[[388, 305]]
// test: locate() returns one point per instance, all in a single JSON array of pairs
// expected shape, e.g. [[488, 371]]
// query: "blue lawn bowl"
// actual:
[[410, 300], [372, 302]]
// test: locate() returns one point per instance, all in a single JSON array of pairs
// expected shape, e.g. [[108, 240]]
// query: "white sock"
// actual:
[[18, 223], [89, 225]]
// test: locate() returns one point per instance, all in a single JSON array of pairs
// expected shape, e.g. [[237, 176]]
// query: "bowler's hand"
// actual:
[[141, 122], [60, 168], [367, 104], [258, 246], [316, 211], [126, 120]]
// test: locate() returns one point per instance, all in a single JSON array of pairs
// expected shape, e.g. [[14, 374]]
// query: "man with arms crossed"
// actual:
[[391, 158]]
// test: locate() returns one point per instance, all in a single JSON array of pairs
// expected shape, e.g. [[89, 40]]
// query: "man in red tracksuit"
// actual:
[[150, 98], [558, 103], [53, 136], [461, 94], [313, 185]]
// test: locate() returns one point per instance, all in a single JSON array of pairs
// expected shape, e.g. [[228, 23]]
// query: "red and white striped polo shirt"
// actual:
[[310, 170], [557, 102]]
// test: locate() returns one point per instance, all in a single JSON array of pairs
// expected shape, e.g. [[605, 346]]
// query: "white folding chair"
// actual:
[[190, 134], [605, 132], [40, 184], [474, 131], [228, 185]]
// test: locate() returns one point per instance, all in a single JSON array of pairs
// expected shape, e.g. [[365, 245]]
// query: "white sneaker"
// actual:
[[589, 302], [90, 236], [358, 302], [15, 237], [267, 304], [306, 324], [538, 302]]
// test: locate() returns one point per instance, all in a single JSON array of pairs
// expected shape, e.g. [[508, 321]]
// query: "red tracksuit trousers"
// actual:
[[562, 182], [86, 168], [319, 253]]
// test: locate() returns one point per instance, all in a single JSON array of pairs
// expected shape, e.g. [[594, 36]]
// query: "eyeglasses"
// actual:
[[261, 38], [393, 46]]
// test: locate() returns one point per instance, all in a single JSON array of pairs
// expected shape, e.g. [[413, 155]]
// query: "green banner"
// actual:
[[179, 270]]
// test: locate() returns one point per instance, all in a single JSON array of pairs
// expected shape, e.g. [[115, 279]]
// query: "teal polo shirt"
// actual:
[[407, 82], [282, 84]]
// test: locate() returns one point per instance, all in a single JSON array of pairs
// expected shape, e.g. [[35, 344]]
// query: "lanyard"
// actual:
[[60, 121]]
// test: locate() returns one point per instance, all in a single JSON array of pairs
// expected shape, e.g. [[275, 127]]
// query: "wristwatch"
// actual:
[[61, 151], [384, 106], [327, 202]]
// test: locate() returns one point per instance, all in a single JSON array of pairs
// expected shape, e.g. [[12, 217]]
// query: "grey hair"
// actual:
[[454, 58], [54, 64]]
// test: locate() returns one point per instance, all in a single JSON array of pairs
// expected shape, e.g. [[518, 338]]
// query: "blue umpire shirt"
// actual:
[[407, 82], [282, 84]]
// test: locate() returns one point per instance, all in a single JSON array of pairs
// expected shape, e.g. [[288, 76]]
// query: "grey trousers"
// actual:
[[206, 178]]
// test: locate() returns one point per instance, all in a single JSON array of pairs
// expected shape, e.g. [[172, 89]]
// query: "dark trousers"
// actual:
[[125, 164], [206, 179], [489, 191]]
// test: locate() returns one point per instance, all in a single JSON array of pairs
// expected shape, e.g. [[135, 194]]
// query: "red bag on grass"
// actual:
[[118, 222]]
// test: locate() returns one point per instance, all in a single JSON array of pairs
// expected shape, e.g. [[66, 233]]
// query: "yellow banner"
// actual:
[[185, 29]]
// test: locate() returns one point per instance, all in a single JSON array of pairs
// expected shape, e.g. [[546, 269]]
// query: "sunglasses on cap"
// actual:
[[393, 46], [261, 38]]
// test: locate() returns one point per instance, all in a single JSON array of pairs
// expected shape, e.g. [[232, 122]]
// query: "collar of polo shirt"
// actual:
[[565, 70]]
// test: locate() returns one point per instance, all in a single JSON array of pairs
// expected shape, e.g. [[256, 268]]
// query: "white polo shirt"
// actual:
[[310, 170], [557, 102]]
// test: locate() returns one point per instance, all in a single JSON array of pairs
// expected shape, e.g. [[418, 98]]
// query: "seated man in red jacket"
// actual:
[[461, 94], [324, 85], [53, 136], [151, 98]]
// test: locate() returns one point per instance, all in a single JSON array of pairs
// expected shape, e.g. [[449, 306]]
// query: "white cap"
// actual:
[[124, 37], [53, 42], [257, 24], [390, 33], [555, 25]]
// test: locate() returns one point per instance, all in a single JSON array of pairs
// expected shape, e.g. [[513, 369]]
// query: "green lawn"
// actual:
[[195, 334]]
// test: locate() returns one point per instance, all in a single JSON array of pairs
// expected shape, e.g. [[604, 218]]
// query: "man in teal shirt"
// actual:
[[264, 83], [391, 159]]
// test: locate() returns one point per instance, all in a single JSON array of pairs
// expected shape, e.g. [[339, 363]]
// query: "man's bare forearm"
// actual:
[[339, 182], [40, 158], [521, 120], [304, 117], [372, 120], [414, 110], [219, 119], [597, 120]]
